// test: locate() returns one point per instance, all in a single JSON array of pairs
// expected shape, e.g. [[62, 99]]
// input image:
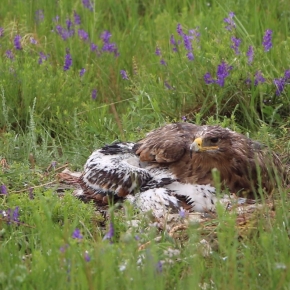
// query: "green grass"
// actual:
[[47, 114]]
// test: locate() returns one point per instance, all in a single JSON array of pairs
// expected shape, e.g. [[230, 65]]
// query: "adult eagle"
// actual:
[[172, 168]]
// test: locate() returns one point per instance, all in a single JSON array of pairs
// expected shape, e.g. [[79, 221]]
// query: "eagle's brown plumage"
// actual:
[[240, 161]]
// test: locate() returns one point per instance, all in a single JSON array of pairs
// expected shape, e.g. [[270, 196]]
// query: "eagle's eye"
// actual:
[[214, 140]]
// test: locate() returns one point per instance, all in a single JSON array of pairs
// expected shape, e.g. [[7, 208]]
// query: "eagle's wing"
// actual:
[[166, 144]]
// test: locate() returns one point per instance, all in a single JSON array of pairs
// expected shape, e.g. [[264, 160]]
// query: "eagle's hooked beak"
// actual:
[[196, 146]]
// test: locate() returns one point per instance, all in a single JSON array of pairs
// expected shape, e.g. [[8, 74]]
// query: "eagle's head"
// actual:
[[211, 139]]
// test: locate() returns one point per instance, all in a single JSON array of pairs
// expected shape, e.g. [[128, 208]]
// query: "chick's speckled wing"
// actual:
[[113, 168], [166, 144]]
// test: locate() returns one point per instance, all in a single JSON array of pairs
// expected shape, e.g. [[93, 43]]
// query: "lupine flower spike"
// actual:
[[281, 82], [77, 234], [17, 42], [94, 94], [124, 75], [3, 189], [250, 54], [223, 72], [158, 51], [110, 234], [82, 72], [87, 4], [267, 40], [236, 44], [83, 34], [259, 79], [230, 22], [77, 19], [68, 61]]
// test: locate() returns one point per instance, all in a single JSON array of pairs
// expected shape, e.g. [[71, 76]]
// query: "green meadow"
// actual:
[[79, 74]]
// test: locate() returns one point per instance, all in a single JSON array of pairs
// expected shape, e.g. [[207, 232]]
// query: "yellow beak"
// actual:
[[196, 146]]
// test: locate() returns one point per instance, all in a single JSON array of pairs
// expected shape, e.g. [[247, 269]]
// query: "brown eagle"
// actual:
[[172, 167]]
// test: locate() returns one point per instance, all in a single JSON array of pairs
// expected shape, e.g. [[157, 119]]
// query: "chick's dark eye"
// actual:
[[214, 140]]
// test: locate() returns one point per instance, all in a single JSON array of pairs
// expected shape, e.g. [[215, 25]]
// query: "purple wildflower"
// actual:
[[231, 24], [174, 43], [9, 54], [258, 78], [60, 30], [182, 213], [110, 234], [69, 24], [248, 81], [33, 40], [105, 36], [42, 57], [236, 43], [287, 75], [195, 34], [15, 215], [208, 78], [222, 72], [83, 34], [183, 118], [53, 164], [250, 54], [77, 19], [3, 189], [179, 29], [70, 32], [68, 61], [63, 248], [190, 56], [187, 42], [172, 40], [55, 19], [87, 4], [116, 52], [82, 72], [87, 256], [39, 15], [17, 42], [64, 33], [94, 94], [158, 51], [77, 234], [1, 31], [110, 47], [11, 216], [163, 62], [124, 75], [159, 267], [280, 84], [137, 238], [93, 47], [267, 40]]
